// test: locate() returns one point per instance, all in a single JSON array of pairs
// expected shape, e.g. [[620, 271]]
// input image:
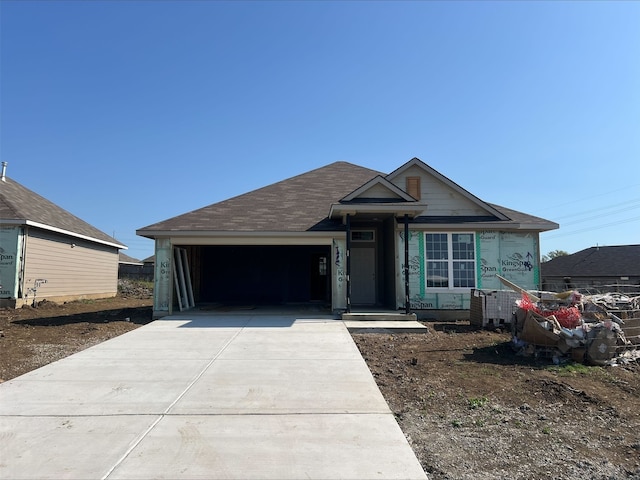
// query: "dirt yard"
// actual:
[[469, 406]]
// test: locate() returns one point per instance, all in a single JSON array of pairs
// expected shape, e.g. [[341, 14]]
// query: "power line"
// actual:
[[633, 202], [598, 227], [602, 215], [590, 197]]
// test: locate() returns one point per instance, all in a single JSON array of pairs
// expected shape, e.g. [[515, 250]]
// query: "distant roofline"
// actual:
[[43, 226]]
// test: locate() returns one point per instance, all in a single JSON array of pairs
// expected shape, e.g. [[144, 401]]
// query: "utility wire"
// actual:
[[590, 197], [633, 202], [601, 215], [598, 227]]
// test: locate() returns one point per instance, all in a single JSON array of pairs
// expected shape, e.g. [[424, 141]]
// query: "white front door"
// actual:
[[363, 276]]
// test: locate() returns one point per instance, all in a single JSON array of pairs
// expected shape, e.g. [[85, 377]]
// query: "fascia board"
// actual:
[[230, 233], [485, 226], [340, 209], [467, 226], [62, 231]]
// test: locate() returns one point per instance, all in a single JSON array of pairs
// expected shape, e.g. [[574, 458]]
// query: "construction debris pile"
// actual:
[[599, 329]]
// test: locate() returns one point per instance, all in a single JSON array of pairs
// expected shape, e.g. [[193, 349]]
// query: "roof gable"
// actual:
[[21, 206], [378, 189], [443, 196]]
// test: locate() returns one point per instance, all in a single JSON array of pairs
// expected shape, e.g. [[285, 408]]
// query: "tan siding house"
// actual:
[[48, 253]]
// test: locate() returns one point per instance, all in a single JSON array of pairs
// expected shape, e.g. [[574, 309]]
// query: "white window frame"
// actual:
[[450, 262]]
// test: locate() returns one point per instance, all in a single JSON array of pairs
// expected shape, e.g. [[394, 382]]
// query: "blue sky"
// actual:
[[127, 113]]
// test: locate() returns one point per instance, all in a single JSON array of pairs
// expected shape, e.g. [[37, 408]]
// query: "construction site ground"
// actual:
[[469, 406]]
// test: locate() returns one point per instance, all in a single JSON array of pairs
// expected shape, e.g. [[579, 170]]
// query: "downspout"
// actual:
[[348, 221], [407, 303]]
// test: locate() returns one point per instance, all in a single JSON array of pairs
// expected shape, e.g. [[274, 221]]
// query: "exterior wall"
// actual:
[[378, 191], [512, 255], [339, 275], [10, 262], [61, 268], [441, 199], [136, 272], [163, 278]]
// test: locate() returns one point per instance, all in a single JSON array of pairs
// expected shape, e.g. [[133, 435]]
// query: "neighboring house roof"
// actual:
[[615, 261], [316, 200], [21, 206], [126, 259], [151, 259]]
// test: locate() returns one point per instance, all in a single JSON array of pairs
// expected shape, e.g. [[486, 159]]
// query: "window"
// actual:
[[413, 187], [450, 260], [363, 236]]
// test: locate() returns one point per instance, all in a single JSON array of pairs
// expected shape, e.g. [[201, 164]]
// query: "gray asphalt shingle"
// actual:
[[18, 203]]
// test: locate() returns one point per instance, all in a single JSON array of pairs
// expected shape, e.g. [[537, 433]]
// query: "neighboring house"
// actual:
[[615, 268], [128, 267], [48, 253], [336, 235], [149, 261], [135, 269]]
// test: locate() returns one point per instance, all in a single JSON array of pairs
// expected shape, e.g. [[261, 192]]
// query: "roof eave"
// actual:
[[152, 234], [50, 228], [339, 210]]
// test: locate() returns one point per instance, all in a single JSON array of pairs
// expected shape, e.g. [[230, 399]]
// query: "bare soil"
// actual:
[[469, 406]]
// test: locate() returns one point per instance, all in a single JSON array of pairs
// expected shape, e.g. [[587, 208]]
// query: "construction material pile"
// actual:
[[599, 329]]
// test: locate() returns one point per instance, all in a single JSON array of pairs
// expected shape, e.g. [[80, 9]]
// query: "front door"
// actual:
[[363, 276]]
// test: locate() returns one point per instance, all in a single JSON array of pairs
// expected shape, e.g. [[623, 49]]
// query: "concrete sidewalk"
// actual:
[[206, 397]]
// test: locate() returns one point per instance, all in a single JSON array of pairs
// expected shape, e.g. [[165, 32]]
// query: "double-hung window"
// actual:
[[450, 260]]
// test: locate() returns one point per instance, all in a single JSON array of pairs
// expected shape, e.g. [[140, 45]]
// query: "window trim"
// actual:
[[450, 262]]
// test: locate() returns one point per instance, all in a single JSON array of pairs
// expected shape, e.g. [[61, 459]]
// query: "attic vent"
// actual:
[[413, 187]]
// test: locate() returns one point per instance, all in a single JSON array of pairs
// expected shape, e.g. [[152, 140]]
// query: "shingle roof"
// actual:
[[124, 258], [614, 261], [302, 203], [297, 204], [19, 204]]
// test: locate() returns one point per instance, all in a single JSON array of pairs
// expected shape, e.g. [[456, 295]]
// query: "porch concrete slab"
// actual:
[[380, 326], [206, 397], [283, 447]]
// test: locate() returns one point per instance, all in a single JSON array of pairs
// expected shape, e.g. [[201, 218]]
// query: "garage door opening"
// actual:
[[263, 275]]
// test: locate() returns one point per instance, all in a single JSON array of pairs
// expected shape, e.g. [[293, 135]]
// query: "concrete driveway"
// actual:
[[206, 397]]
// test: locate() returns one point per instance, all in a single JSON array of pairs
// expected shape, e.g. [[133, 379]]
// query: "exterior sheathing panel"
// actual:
[[61, 268], [512, 255]]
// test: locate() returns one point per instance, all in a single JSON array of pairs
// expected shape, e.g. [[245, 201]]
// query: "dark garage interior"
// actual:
[[261, 275]]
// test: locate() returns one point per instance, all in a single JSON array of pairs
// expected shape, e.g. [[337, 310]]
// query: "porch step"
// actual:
[[379, 316], [377, 326]]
